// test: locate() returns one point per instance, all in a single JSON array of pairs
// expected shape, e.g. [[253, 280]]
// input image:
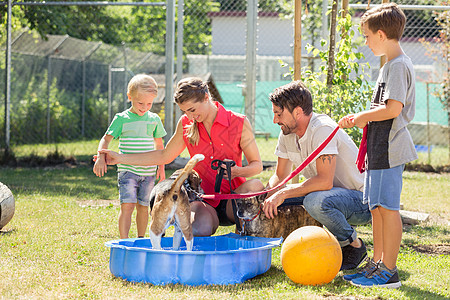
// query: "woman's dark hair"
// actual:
[[191, 89]]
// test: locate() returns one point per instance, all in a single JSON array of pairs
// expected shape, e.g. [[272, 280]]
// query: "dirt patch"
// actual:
[[439, 220], [421, 167], [98, 203], [434, 249]]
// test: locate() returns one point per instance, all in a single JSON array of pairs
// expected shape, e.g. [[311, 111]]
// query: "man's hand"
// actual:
[[271, 204]]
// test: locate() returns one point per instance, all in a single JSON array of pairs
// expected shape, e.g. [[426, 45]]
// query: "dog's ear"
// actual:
[[261, 197], [194, 180]]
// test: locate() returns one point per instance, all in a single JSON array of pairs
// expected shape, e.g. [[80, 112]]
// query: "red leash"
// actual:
[[309, 159]]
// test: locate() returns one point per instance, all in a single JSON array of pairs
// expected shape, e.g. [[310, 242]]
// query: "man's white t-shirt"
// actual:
[[319, 128]]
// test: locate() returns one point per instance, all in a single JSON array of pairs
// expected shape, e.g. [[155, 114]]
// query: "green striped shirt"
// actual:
[[136, 134]]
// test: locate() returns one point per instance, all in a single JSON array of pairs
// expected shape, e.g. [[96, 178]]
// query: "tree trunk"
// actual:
[[331, 49]]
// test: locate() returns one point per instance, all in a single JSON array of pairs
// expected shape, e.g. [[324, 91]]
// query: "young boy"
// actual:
[[138, 130], [389, 144]]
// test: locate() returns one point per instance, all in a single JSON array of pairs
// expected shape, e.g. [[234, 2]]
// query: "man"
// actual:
[[332, 192]]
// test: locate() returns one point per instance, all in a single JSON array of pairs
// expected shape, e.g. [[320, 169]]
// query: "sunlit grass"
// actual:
[[54, 248]]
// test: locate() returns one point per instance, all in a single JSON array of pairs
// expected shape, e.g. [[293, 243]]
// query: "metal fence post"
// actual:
[[428, 123], [250, 70], [180, 37], [125, 77], [170, 45], [8, 77], [109, 94], [49, 73]]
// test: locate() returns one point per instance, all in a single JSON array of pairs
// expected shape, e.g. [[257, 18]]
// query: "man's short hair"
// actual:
[[292, 95], [387, 17]]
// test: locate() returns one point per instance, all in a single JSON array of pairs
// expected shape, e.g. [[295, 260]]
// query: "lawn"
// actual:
[[54, 247]]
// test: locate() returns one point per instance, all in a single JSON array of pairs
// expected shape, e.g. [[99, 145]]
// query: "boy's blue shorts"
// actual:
[[134, 188], [383, 188]]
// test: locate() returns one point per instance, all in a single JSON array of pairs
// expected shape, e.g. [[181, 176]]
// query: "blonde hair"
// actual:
[[191, 89], [387, 17], [142, 82]]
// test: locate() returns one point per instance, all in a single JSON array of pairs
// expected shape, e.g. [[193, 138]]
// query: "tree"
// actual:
[[139, 27], [84, 22], [339, 97]]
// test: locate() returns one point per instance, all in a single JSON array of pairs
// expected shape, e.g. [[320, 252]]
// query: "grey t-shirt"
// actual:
[[389, 143], [319, 128]]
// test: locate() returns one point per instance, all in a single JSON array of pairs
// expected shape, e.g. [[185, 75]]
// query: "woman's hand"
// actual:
[[234, 170], [111, 157]]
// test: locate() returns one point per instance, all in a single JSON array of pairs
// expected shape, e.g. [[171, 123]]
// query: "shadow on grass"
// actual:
[[416, 293], [7, 232], [75, 182], [78, 182], [433, 231], [276, 277]]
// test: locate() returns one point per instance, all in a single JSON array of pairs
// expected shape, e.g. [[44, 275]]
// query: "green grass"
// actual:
[[54, 248], [438, 156]]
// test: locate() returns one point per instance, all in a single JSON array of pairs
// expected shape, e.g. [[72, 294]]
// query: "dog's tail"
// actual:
[[176, 185]]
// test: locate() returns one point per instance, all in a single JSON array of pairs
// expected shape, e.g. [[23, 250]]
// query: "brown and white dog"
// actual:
[[255, 223], [169, 201]]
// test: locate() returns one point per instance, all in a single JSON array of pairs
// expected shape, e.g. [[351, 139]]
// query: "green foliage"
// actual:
[[116, 25], [76, 21], [350, 90], [30, 109], [263, 5]]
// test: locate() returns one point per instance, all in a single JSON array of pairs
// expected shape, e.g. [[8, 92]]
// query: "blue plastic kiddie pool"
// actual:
[[225, 259]]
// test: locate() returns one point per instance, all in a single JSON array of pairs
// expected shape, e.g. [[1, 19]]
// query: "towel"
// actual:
[[361, 159]]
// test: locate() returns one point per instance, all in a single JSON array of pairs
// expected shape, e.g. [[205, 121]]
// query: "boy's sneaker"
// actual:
[[352, 257], [380, 277], [367, 266]]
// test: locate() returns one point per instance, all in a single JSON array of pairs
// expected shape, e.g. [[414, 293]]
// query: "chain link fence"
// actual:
[[69, 75]]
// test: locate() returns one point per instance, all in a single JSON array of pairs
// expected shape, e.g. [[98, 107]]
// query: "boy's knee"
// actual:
[[141, 208], [127, 207]]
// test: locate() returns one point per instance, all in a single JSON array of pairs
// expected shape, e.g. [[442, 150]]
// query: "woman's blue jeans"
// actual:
[[336, 209]]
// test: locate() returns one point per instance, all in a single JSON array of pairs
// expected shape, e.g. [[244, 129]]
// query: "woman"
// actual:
[[207, 128]]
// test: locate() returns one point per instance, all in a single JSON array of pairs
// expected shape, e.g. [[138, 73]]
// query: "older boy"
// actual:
[[389, 144]]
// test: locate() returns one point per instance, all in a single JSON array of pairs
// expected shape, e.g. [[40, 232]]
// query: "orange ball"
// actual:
[[311, 255]]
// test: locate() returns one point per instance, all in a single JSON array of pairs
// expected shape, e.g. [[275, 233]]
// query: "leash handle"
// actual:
[[217, 165], [306, 162]]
